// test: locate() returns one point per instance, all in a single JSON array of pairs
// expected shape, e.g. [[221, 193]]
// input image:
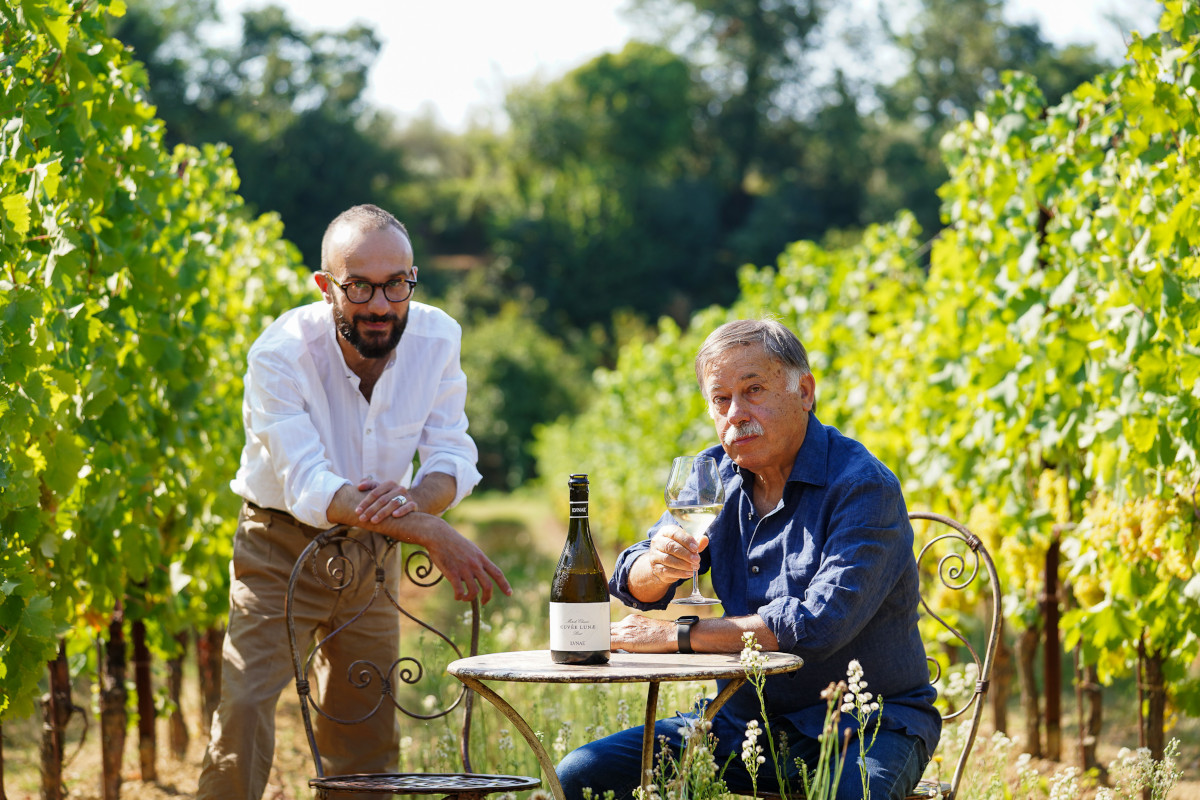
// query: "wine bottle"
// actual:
[[579, 611]]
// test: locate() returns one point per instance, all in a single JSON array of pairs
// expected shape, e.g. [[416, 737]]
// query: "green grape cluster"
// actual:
[[1152, 533]]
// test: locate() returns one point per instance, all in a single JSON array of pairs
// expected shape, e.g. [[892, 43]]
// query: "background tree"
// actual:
[[747, 52], [632, 187], [288, 102], [610, 211]]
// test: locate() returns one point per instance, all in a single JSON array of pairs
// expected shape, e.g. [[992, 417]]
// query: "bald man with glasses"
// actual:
[[340, 396]]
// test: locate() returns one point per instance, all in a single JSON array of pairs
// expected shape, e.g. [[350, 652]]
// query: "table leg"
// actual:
[[648, 735], [531, 738], [734, 684], [652, 713]]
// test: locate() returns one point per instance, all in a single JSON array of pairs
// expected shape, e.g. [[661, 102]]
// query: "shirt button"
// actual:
[[756, 569], [369, 431]]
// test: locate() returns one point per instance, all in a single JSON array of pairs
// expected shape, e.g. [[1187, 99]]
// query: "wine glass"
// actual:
[[694, 496]]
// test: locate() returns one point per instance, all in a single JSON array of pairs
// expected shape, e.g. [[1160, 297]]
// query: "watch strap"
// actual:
[[683, 633]]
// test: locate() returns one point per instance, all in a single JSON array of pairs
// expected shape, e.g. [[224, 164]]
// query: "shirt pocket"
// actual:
[[403, 440]]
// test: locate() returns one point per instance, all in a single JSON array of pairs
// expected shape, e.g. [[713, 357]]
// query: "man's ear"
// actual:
[[808, 392], [322, 281]]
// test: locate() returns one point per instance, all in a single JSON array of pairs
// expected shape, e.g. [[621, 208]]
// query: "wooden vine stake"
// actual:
[[1052, 653], [56, 712], [208, 658]]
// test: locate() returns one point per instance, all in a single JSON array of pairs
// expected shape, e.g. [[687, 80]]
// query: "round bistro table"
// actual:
[[535, 666]]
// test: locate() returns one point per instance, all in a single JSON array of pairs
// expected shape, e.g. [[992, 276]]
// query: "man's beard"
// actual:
[[347, 328]]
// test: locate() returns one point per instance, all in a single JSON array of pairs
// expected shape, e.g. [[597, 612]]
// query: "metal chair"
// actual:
[[957, 570], [331, 558]]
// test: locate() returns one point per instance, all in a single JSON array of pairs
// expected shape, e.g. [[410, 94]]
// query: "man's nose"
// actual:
[[378, 304], [737, 413]]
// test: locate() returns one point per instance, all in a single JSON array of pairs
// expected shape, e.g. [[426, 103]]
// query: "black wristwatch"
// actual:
[[683, 633]]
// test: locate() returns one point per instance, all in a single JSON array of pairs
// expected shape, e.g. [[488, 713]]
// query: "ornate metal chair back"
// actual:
[[951, 565], [366, 580]]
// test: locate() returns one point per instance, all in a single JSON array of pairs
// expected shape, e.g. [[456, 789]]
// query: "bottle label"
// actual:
[[579, 510], [579, 626]]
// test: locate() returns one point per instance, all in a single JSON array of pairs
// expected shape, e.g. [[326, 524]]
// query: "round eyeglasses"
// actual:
[[359, 291]]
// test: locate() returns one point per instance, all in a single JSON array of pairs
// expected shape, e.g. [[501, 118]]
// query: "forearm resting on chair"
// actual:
[[463, 564], [434, 493]]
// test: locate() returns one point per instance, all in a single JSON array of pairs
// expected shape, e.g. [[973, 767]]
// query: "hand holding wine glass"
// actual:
[[694, 496]]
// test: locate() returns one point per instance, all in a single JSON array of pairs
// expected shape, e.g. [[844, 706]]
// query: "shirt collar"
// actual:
[[812, 462]]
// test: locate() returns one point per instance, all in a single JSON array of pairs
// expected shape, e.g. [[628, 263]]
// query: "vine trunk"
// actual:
[[144, 686], [1027, 644], [113, 695]]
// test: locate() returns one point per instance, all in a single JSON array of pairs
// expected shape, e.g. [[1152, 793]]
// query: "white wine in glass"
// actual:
[[694, 496]]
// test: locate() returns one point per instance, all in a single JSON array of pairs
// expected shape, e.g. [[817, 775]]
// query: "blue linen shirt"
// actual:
[[831, 572]]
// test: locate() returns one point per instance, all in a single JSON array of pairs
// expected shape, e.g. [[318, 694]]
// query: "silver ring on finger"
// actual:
[[400, 499]]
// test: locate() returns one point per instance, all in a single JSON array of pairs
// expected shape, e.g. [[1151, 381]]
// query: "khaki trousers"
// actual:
[[257, 661]]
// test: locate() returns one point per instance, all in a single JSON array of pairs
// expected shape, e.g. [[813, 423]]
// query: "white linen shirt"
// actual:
[[310, 431]]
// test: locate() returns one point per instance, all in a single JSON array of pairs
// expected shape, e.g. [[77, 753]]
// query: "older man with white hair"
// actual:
[[812, 553]]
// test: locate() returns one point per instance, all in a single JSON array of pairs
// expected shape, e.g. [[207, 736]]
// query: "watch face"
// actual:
[[687, 620]]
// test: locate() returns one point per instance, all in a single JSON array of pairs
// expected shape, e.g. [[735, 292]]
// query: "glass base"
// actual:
[[696, 601]]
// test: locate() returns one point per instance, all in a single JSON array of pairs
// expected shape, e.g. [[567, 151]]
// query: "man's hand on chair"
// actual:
[[464, 565], [469, 571]]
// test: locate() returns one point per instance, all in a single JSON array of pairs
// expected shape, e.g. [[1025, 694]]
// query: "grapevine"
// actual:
[[131, 283]]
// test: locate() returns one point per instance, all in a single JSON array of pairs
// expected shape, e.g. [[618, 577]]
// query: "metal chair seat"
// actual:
[[447, 783]]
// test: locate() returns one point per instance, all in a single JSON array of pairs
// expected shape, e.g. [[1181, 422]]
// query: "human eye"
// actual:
[[359, 291]]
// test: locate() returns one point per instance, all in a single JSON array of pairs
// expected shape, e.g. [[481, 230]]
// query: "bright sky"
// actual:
[[459, 55]]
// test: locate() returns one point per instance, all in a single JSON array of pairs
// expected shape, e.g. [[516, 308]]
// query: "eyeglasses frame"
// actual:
[[412, 287]]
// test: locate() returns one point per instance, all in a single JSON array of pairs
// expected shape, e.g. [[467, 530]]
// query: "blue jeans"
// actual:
[[895, 762]]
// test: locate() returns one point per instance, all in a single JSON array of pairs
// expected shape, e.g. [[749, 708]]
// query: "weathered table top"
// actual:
[[535, 666]]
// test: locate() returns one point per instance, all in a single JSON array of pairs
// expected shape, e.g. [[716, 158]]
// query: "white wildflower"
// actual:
[[563, 739], [1063, 785], [622, 714]]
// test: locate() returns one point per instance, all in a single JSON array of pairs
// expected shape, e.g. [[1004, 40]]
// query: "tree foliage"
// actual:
[[288, 102], [641, 180], [132, 284], [956, 53]]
